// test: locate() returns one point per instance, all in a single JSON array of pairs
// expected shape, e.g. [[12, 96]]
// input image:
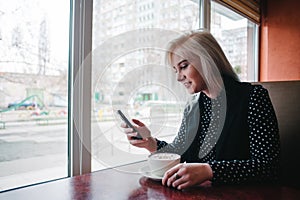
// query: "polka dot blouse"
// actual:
[[263, 137]]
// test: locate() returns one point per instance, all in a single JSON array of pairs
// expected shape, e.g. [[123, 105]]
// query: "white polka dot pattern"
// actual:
[[264, 146], [264, 142]]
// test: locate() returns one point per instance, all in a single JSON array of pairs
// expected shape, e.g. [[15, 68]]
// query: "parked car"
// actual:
[[23, 105]]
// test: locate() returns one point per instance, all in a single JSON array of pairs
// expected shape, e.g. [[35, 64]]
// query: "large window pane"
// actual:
[[33, 91], [238, 37], [129, 73]]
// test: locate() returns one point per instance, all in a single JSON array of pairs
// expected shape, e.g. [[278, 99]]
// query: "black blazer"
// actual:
[[233, 142], [234, 139]]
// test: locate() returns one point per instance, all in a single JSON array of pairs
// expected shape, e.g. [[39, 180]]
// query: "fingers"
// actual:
[[144, 143], [177, 177], [183, 185], [135, 136], [180, 181], [140, 127], [138, 143], [137, 122], [123, 125], [167, 179], [139, 130], [128, 130]]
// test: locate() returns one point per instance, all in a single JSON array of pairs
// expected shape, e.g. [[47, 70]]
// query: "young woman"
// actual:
[[229, 132]]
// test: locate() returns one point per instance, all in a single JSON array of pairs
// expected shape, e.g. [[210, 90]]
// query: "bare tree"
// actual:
[[43, 50]]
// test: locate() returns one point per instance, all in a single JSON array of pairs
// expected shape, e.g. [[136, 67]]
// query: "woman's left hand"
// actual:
[[187, 174]]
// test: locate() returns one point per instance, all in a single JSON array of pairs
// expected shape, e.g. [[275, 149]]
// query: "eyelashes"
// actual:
[[182, 65]]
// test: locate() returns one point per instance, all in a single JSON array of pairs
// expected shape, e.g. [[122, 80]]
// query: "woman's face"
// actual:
[[187, 74]]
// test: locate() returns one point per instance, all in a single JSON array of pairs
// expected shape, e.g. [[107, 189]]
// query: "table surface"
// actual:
[[125, 183]]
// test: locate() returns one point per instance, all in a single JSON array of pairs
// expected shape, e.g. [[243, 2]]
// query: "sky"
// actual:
[[28, 14]]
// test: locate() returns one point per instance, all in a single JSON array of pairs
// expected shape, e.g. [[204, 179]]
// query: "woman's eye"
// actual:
[[183, 66]]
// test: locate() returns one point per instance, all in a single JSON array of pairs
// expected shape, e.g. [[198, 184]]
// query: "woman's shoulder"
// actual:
[[258, 90], [191, 103], [254, 88], [237, 90]]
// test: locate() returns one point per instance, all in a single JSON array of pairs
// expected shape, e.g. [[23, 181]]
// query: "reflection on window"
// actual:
[[33, 91], [237, 36], [129, 73]]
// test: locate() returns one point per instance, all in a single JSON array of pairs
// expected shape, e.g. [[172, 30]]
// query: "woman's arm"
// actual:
[[179, 142]]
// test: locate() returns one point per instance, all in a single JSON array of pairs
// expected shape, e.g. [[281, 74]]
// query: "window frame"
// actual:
[[80, 87]]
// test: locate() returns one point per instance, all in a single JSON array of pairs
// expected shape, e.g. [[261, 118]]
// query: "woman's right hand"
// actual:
[[148, 142]]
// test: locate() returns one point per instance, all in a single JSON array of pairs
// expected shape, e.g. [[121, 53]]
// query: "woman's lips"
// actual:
[[187, 84]]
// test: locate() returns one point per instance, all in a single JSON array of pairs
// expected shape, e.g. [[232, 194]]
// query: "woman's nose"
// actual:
[[180, 76]]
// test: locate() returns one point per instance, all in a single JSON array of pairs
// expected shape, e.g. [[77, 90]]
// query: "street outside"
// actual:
[[32, 152]]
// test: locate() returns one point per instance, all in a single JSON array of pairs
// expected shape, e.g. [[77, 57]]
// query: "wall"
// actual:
[[280, 40]]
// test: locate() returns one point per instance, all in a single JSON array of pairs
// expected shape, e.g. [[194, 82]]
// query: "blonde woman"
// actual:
[[229, 131]]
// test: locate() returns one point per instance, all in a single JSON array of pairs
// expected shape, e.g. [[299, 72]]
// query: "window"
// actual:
[[33, 91], [238, 37], [129, 73]]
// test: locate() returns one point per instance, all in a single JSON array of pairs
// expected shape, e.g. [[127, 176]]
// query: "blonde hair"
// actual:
[[204, 52]]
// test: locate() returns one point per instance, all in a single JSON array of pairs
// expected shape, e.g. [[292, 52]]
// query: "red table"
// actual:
[[120, 183]]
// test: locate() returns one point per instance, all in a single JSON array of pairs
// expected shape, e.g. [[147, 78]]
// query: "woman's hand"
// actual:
[[147, 142], [187, 174]]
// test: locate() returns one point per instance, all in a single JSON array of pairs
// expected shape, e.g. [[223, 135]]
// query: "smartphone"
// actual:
[[124, 118]]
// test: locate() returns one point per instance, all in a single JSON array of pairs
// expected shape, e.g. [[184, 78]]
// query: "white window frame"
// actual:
[[204, 6], [80, 87]]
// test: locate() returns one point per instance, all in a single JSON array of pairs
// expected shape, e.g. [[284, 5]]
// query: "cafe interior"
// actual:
[[97, 80]]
